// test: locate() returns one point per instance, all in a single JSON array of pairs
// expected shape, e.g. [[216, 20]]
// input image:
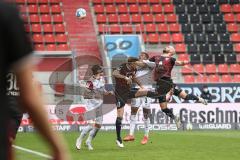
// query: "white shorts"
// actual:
[[94, 110], [141, 102]]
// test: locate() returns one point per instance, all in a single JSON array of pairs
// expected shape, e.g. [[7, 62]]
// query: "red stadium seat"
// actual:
[[202, 79], [238, 18], [229, 18], [42, 1], [235, 37], [136, 18], [223, 69], [133, 8], [99, 9], [132, 1], [57, 18], [44, 9], [235, 68], [115, 29], [210, 69], [198, 68], [186, 69], [154, 1], [108, 1], [46, 18], [113, 18], [32, 9], [171, 18], [213, 78], [110, 9], [153, 38], [226, 8], [62, 47], [120, 1], [22, 8], [25, 18], [157, 9], [189, 79], [59, 28], [165, 38], [148, 18], [126, 28], [180, 48], [32, 1], [151, 28], [169, 8], [177, 38], [226, 78], [36, 28], [183, 57], [174, 27], [56, 9], [27, 28], [124, 18], [49, 38], [237, 47], [102, 28], [96, 1], [48, 28], [122, 9], [51, 47], [140, 28], [142, 1], [236, 78], [232, 28], [159, 18], [20, 1], [145, 38], [101, 18], [145, 9], [162, 28], [37, 38], [34, 18], [54, 1], [61, 38], [166, 1], [236, 8], [39, 47]]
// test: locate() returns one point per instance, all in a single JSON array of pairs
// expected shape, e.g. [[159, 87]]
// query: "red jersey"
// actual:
[[126, 71], [163, 68]]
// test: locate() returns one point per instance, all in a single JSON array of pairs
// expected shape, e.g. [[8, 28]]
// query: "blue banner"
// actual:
[[128, 45]]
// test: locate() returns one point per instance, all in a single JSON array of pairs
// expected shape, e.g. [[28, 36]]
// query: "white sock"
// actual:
[[92, 134], [85, 131], [146, 126], [132, 124]]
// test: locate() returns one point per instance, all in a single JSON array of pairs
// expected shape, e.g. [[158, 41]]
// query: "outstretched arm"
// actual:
[[181, 63]]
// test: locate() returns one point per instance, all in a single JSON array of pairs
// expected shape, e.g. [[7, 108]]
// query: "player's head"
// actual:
[[143, 56], [97, 70], [131, 62], [170, 50]]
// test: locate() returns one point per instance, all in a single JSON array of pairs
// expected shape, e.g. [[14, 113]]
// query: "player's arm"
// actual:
[[181, 63], [136, 80], [116, 73]]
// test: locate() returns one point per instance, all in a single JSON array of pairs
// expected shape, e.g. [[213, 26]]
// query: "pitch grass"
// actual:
[[183, 145]]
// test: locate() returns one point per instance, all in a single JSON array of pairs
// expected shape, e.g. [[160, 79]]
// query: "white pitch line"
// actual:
[[32, 152]]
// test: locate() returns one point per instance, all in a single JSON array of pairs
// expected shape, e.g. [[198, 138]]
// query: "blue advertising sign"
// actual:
[[128, 45]]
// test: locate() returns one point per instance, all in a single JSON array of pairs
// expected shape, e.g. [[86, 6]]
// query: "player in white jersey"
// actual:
[[93, 99], [144, 75]]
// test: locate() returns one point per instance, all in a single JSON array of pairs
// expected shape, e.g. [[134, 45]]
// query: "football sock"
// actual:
[[118, 128], [146, 126], [154, 94], [92, 134], [132, 124], [191, 97], [168, 112], [85, 131]]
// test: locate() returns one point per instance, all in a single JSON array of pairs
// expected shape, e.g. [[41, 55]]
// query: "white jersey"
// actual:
[[144, 75]]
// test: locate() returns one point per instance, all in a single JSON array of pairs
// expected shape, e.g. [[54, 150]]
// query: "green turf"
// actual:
[[189, 145]]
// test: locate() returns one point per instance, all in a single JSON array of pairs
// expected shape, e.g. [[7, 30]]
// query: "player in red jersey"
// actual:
[[163, 65], [124, 76]]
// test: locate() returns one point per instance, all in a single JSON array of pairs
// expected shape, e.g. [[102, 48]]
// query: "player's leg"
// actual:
[[82, 135], [92, 135], [146, 120], [182, 94], [135, 104]]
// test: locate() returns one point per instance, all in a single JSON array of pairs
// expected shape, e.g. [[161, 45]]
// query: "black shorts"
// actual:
[[14, 124], [176, 90], [122, 96], [164, 85]]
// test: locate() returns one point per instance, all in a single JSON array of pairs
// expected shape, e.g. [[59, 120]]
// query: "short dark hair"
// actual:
[[132, 59], [146, 54], [97, 69]]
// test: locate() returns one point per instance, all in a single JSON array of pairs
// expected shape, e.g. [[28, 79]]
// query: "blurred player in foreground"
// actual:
[[93, 98], [143, 75], [15, 49], [124, 76]]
